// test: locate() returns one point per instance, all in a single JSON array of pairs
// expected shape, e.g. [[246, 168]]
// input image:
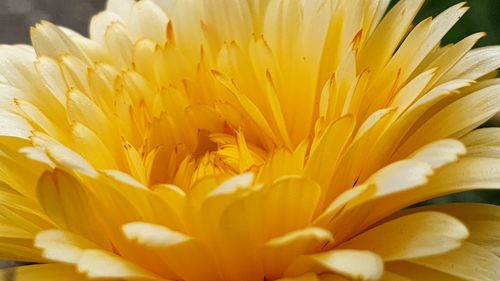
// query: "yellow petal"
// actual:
[[482, 137], [389, 276], [21, 250], [91, 147], [483, 143], [69, 205], [450, 58], [353, 163], [40, 121], [411, 271], [412, 91], [388, 34], [172, 194], [409, 58], [83, 110], [280, 251], [283, 162], [360, 265], [478, 107], [290, 204], [305, 277], [418, 235], [8, 230], [183, 254], [233, 184], [349, 199], [68, 159], [324, 156], [469, 262], [466, 174], [475, 64], [42, 272], [228, 17]]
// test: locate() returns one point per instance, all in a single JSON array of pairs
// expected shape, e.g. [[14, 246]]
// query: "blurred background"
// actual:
[[16, 16]]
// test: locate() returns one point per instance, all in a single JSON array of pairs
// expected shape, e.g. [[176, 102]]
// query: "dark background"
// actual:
[[16, 16]]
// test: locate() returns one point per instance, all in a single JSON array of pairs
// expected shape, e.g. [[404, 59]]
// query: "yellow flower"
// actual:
[[249, 140]]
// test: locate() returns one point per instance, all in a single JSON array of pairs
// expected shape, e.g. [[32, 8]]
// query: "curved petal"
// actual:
[[469, 262], [360, 265], [417, 235]]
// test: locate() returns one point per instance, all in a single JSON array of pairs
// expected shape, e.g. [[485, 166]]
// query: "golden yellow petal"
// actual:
[[43, 272]]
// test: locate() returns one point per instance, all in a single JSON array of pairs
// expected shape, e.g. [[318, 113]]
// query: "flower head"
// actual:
[[249, 140]]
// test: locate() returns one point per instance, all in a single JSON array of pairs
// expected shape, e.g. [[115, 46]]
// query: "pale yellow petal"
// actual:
[[450, 58], [413, 236], [100, 23], [475, 64], [51, 75], [101, 264], [185, 255], [122, 8], [50, 40], [13, 125], [280, 251], [69, 159], [148, 21], [466, 174], [482, 220], [440, 153], [469, 262], [400, 176], [62, 246], [155, 236], [471, 110], [360, 265], [119, 43]]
